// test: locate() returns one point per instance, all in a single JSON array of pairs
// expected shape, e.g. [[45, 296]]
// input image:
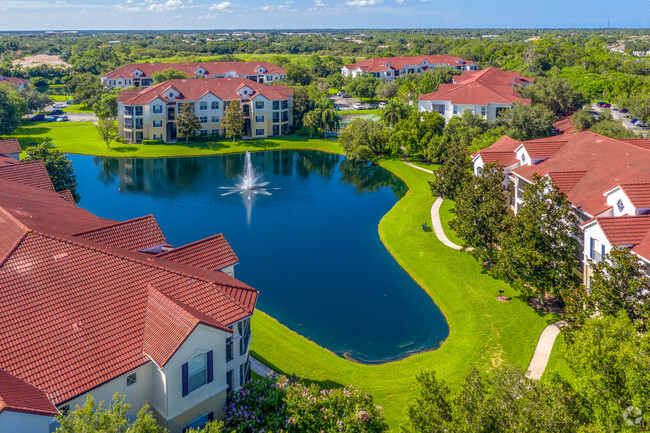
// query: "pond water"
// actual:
[[311, 248]]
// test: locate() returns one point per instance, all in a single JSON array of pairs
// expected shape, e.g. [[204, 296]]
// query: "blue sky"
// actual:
[[306, 14]]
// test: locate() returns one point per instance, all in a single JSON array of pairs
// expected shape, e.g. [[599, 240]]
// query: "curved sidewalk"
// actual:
[[543, 350], [437, 225]]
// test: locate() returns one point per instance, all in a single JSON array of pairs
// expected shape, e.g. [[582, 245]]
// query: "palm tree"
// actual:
[[311, 121], [394, 112], [329, 120]]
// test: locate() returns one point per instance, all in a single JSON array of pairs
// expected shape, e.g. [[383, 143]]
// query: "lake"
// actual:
[[311, 248]]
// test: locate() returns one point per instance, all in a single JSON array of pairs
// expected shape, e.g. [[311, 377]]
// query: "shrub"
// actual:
[[152, 142]]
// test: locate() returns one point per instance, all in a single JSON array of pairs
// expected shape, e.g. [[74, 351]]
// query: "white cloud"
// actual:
[[126, 8], [363, 3], [399, 2], [282, 8], [318, 4], [221, 7], [169, 5]]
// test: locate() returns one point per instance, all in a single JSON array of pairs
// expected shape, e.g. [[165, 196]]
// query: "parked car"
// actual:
[[38, 118], [342, 95], [382, 104], [366, 106], [60, 105], [634, 120], [641, 125], [62, 119], [357, 106], [623, 110], [52, 119], [56, 112], [604, 105], [374, 106]]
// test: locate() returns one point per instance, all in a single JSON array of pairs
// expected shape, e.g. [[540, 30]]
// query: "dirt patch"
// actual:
[[552, 304], [42, 59], [503, 298]]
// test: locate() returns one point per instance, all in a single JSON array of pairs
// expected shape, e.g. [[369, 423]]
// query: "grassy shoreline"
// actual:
[[483, 331]]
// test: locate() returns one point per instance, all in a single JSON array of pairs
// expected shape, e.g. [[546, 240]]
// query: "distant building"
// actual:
[[484, 92], [149, 114], [141, 74], [390, 68], [11, 148], [20, 82]]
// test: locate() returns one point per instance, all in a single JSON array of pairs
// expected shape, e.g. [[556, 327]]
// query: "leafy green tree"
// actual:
[[393, 112], [12, 108], [299, 74], [539, 251], [363, 86], [86, 89], [106, 107], [609, 359], [211, 427], [311, 121], [460, 130], [612, 129], [481, 210], [387, 89], [188, 124], [639, 106], [35, 100], [233, 120], [107, 130], [329, 120], [168, 74], [59, 168], [527, 122], [335, 81], [556, 94], [582, 120], [93, 418], [363, 139], [416, 133], [453, 174]]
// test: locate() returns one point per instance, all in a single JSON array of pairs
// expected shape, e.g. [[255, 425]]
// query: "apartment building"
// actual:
[[486, 93], [150, 113], [140, 75], [93, 306], [390, 68]]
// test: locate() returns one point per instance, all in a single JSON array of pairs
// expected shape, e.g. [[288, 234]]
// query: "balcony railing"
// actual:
[[596, 256]]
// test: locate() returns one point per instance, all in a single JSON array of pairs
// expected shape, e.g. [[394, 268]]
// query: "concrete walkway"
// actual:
[[543, 350], [262, 369], [437, 225]]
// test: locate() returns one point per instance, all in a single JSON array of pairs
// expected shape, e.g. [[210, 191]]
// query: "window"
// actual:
[[259, 105], [455, 110], [276, 129], [259, 132], [157, 123], [203, 132], [483, 111], [157, 109], [138, 110], [215, 119], [229, 379], [620, 205], [244, 331], [200, 422], [276, 105], [523, 158], [214, 131], [203, 105], [285, 116], [243, 373], [197, 372], [138, 123], [157, 136], [597, 250], [229, 349], [203, 119], [276, 116], [285, 104], [131, 379], [215, 105], [259, 119], [128, 110]]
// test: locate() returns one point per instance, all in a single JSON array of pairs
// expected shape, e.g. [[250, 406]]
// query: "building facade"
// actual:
[[390, 68], [140, 75], [150, 113]]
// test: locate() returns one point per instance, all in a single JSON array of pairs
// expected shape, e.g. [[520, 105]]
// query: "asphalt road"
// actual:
[[72, 117], [625, 120]]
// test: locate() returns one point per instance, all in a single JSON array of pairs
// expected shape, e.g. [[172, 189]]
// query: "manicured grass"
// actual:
[[558, 363], [59, 98], [447, 215], [77, 108], [82, 137]]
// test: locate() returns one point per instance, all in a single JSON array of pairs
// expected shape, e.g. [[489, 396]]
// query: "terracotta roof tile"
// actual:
[[19, 396], [32, 173], [502, 158], [542, 149], [563, 126], [10, 146], [625, 230], [638, 193], [14, 80], [643, 247], [66, 194], [378, 64], [213, 253], [212, 68], [501, 151], [566, 180], [136, 235], [643, 143]]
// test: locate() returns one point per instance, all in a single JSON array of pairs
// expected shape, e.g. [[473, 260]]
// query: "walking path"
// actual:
[[543, 350], [260, 368], [546, 340]]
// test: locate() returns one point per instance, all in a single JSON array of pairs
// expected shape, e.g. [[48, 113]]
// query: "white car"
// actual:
[[357, 106], [60, 105]]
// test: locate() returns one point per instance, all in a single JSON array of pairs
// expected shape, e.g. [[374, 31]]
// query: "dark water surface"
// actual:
[[311, 248]]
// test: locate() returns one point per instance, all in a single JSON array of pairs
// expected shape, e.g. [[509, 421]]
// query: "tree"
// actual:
[[168, 74], [35, 100], [364, 138], [556, 94], [453, 173], [59, 168], [233, 120], [416, 133], [527, 122], [539, 251], [299, 74], [612, 129], [459, 130], [107, 130], [393, 112], [336, 81], [106, 107], [86, 89], [93, 418], [311, 121], [363, 86], [12, 108], [187, 123], [481, 210], [582, 120], [329, 120], [387, 89]]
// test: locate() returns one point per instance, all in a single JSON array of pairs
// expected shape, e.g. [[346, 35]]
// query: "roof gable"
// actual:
[[19, 396], [213, 253], [9, 146], [136, 235]]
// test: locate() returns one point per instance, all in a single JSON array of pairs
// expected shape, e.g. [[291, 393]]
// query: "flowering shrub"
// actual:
[[286, 405]]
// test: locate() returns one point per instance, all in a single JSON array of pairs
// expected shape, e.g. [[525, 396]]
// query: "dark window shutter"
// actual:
[[210, 373], [185, 384], [603, 253], [591, 248], [211, 417]]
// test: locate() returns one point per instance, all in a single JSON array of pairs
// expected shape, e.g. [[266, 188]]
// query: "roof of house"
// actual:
[[379, 64], [501, 151], [213, 253], [212, 68], [643, 143], [135, 235], [15, 80], [604, 163], [10, 145], [483, 87], [625, 229], [193, 90], [32, 173], [16, 395], [565, 180], [563, 126], [75, 310], [638, 193]]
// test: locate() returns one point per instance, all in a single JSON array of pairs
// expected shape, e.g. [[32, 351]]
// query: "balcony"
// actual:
[[595, 256]]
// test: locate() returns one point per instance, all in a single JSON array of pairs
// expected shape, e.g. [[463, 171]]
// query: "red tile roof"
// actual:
[[501, 151], [566, 180], [75, 310], [606, 162], [643, 143], [483, 87], [502, 158], [543, 148], [625, 230], [19, 396], [10, 146], [638, 193], [193, 90], [213, 253], [563, 126], [14, 80], [32, 173], [67, 196], [136, 235], [7, 160], [643, 247], [212, 68], [379, 64]]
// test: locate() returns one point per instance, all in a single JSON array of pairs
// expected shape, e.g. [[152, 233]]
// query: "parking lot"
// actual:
[[346, 102], [71, 117], [624, 118]]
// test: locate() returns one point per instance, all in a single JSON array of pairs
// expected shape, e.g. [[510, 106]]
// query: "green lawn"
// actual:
[[483, 331], [446, 215]]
